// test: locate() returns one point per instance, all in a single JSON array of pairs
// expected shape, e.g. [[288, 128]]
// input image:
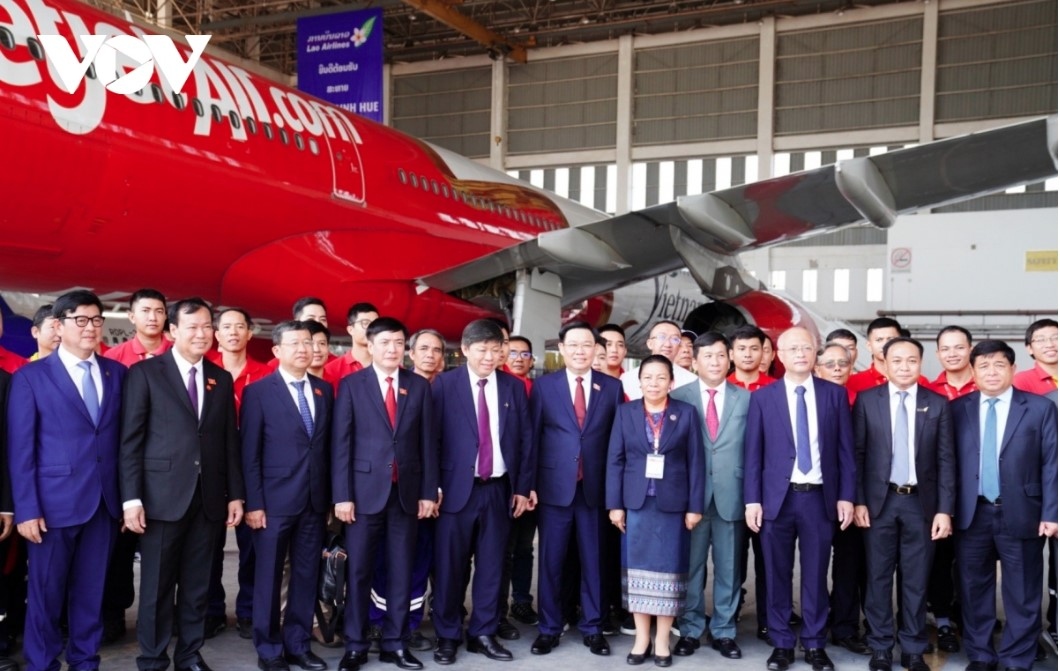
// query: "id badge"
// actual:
[[654, 466]]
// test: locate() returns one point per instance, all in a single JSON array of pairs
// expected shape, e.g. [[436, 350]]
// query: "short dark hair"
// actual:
[[246, 316], [707, 339], [287, 327], [601, 341], [663, 321], [883, 323], [573, 326], [748, 332], [305, 301], [72, 300], [691, 335], [656, 358], [503, 324], [385, 325], [525, 341], [612, 328], [43, 312], [358, 309], [845, 334], [314, 327], [990, 346], [422, 332], [894, 341], [953, 328], [141, 294], [830, 344], [1040, 324], [482, 330], [187, 306]]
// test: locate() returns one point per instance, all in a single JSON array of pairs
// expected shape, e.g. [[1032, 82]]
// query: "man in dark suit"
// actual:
[[286, 426], [722, 408], [7, 518], [906, 491], [384, 473], [572, 411], [1006, 507], [799, 478], [181, 482], [63, 432], [486, 462]]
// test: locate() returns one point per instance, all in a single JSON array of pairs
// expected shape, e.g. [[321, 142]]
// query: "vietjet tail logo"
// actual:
[[149, 52]]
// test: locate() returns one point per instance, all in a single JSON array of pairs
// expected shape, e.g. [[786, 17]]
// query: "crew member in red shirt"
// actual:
[[615, 336], [321, 337], [147, 312], [1041, 345], [521, 360], [307, 309], [953, 347], [358, 317], [45, 331], [881, 331], [746, 355], [233, 330]]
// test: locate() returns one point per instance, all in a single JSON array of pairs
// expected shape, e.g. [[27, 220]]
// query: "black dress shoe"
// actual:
[[419, 642], [352, 661], [488, 646], [1039, 653], [795, 620], [727, 647], [981, 666], [914, 662], [853, 644], [245, 627], [113, 631], [445, 653], [881, 660], [195, 666], [273, 664], [818, 659], [947, 639], [781, 659], [507, 630], [403, 659], [664, 662], [635, 660], [763, 635], [214, 625], [543, 644], [307, 660], [686, 646], [597, 644]]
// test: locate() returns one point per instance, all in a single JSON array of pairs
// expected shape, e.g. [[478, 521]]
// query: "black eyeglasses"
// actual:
[[82, 321]]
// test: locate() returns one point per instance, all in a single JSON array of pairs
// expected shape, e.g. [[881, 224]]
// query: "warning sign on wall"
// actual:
[[901, 259]]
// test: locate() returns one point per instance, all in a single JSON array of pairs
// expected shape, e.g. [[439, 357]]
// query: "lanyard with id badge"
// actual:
[[655, 463]]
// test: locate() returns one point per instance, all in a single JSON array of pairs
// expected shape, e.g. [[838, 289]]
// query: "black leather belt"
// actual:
[[490, 481], [988, 502], [795, 487], [903, 490]]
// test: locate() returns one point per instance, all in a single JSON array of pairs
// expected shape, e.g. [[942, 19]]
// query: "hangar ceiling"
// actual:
[[264, 30]]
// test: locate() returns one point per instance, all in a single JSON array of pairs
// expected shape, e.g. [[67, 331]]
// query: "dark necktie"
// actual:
[[579, 414], [193, 391], [391, 411], [712, 415], [485, 440], [900, 443], [89, 392], [991, 485], [303, 407], [802, 432]]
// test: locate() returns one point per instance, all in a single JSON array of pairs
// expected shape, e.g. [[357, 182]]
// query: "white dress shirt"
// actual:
[[499, 468], [631, 381], [293, 391], [719, 399], [587, 386], [814, 477], [183, 365], [77, 374], [1002, 407], [910, 416], [381, 376]]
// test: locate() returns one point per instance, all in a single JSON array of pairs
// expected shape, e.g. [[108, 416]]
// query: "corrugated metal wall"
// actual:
[[848, 78], [997, 62], [564, 104], [450, 109], [696, 92]]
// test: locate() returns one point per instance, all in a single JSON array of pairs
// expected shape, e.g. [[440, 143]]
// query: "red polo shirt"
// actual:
[[10, 361], [761, 381], [132, 351], [941, 386], [1035, 380], [340, 367], [252, 372]]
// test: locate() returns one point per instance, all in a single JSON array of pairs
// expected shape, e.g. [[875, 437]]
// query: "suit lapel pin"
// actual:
[[924, 409], [506, 404], [596, 387], [318, 392], [402, 391], [210, 383], [673, 418]]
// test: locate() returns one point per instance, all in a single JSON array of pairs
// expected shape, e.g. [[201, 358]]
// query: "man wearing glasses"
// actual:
[[1041, 345], [63, 429], [834, 364], [359, 316], [664, 339]]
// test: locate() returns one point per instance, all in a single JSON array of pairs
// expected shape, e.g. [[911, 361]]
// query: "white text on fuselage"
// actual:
[[213, 82]]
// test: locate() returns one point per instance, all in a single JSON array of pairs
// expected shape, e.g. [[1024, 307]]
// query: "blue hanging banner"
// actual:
[[340, 60]]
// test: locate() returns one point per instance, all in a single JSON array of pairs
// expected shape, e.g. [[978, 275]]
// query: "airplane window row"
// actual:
[[442, 190], [7, 42]]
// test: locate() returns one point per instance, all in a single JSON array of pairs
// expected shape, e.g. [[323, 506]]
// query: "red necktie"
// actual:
[[712, 415], [579, 414], [391, 411]]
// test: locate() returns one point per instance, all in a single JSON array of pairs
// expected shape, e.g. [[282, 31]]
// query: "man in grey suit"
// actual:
[[906, 493], [722, 408]]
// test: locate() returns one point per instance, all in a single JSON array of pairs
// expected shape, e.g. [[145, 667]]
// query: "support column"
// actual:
[[499, 115], [928, 71], [624, 127], [767, 56], [536, 308]]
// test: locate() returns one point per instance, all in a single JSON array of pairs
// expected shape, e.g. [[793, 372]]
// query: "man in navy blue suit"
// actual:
[[384, 478], [286, 424], [486, 474], [63, 438], [799, 477], [572, 411], [1006, 507]]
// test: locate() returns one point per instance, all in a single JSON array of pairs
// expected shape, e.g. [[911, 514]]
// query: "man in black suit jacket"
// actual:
[[906, 490], [384, 473], [181, 482], [286, 426], [1006, 507]]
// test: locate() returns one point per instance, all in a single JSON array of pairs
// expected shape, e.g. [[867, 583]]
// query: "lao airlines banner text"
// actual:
[[340, 59]]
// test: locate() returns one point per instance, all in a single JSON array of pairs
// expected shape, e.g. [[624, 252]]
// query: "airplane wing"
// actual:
[[703, 232]]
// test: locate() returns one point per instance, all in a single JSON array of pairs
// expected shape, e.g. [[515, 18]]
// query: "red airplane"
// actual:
[[250, 193]]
